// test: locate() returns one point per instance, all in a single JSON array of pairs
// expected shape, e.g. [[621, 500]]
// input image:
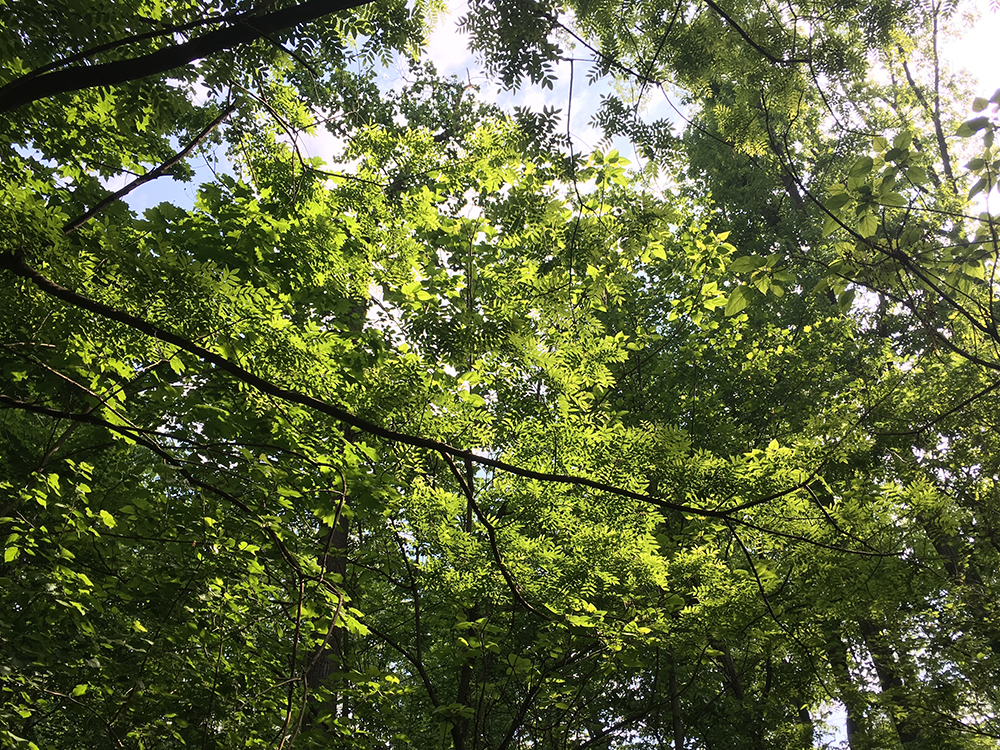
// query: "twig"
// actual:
[[73, 225]]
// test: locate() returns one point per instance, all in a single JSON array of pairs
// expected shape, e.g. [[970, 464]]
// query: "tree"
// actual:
[[483, 442]]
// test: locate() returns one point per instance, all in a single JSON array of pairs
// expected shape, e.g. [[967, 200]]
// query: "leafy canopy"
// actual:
[[471, 439]]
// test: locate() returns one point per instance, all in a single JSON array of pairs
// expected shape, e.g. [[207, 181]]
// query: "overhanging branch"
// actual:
[[16, 265], [143, 437], [30, 88], [749, 40]]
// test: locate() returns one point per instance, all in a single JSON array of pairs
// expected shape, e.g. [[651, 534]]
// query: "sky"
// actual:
[[449, 51], [975, 52]]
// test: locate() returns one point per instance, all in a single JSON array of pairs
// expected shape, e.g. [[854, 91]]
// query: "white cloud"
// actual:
[[448, 48], [975, 50], [322, 143]]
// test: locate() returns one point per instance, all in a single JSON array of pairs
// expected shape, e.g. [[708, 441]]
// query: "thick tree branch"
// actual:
[[18, 267], [162, 31], [30, 89], [749, 40], [934, 114]]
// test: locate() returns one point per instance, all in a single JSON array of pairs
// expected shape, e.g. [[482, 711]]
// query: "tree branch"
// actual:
[[491, 532], [933, 113], [742, 32], [72, 226], [16, 265], [163, 31], [29, 89], [141, 437]]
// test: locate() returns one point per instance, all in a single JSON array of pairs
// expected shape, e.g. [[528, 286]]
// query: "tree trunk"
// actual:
[[333, 562], [332, 658], [858, 734], [675, 707], [894, 693]]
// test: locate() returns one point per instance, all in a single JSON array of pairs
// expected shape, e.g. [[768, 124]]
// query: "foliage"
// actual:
[[473, 440]]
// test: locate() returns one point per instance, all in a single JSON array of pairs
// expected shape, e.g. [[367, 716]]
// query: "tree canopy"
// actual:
[[471, 439]]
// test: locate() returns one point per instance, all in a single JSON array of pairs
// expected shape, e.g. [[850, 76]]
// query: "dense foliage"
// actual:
[[471, 440]]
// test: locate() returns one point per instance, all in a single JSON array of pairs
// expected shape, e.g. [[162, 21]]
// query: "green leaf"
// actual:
[[837, 201], [738, 301], [892, 199], [974, 270], [897, 154], [916, 175], [978, 187], [979, 104], [108, 519], [911, 235], [862, 166], [867, 225], [745, 264], [831, 225], [973, 126]]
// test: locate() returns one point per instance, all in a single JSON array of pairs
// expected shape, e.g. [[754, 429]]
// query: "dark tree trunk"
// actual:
[[893, 690], [858, 734]]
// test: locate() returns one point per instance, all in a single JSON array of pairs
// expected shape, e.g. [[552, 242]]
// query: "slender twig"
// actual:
[[74, 224], [492, 534]]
